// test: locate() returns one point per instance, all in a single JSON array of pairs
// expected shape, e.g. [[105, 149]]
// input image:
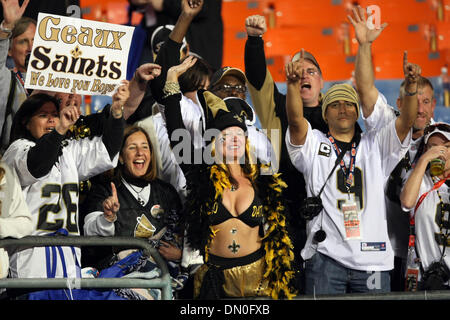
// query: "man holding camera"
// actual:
[[347, 247]]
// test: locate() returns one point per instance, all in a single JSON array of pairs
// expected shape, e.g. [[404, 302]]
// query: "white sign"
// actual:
[[69, 53]]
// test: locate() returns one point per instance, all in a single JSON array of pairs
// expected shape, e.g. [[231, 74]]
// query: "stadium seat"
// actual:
[[234, 47], [389, 65], [399, 37], [276, 66], [446, 10], [234, 13], [326, 13], [443, 35], [287, 41], [335, 67], [404, 11], [117, 12], [91, 10]]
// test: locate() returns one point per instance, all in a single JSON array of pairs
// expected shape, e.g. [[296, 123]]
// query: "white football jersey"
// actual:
[[53, 199], [428, 217], [377, 154]]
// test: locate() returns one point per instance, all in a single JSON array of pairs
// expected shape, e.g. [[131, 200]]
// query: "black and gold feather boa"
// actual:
[[206, 185]]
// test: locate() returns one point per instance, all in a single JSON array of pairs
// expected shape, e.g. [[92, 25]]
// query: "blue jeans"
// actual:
[[324, 275]]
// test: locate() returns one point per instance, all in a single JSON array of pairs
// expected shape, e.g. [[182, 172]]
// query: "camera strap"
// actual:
[[340, 156]]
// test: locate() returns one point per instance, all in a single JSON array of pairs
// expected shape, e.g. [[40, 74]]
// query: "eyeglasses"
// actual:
[[228, 89], [440, 126]]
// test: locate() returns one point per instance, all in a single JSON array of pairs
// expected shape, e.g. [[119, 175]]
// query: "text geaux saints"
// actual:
[[76, 64]]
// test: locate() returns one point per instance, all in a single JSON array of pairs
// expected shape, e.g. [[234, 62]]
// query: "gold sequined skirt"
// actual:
[[242, 277]]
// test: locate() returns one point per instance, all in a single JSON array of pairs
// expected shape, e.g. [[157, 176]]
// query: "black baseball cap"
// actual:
[[219, 74], [160, 35]]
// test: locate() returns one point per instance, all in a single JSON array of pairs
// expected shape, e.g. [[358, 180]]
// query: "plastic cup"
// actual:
[[437, 167]]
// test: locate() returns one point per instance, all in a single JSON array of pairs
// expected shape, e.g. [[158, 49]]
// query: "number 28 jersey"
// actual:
[[53, 198], [377, 154]]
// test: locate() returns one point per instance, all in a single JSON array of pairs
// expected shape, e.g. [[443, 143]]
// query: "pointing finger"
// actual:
[[113, 191], [405, 59]]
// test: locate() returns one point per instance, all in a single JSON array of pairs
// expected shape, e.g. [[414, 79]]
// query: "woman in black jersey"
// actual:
[[234, 214], [136, 203]]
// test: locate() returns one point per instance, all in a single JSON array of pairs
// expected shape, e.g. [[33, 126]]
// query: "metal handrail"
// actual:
[[417, 295], [163, 282], [400, 295]]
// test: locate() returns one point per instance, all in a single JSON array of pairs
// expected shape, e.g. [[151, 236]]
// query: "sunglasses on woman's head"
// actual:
[[439, 126]]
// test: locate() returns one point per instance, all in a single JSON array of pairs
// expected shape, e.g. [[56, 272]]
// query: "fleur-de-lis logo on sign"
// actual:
[[76, 52]]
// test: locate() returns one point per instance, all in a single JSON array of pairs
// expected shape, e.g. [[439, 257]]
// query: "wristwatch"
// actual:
[[5, 30]]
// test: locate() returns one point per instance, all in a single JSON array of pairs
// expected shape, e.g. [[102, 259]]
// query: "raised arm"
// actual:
[[408, 115], [12, 12], [169, 53], [410, 191], [115, 124], [364, 75], [171, 101], [254, 57], [138, 85], [43, 155], [298, 125]]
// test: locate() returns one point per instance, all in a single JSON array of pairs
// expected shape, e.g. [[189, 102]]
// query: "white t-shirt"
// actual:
[[427, 219], [53, 198], [377, 154]]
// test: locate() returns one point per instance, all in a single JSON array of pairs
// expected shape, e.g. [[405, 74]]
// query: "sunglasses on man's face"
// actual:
[[228, 88]]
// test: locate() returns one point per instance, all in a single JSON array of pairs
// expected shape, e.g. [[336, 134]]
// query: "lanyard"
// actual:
[[22, 81], [412, 235], [348, 174], [437, 185]]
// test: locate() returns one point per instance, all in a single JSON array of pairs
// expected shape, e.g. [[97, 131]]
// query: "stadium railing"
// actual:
[[163, 282]]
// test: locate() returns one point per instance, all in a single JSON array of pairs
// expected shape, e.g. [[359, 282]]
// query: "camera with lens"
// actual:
[[435, 277], [311, 207]]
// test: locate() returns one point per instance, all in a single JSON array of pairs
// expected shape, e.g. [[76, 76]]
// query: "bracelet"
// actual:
[[117, 115], [171, 88], [409, 94]]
